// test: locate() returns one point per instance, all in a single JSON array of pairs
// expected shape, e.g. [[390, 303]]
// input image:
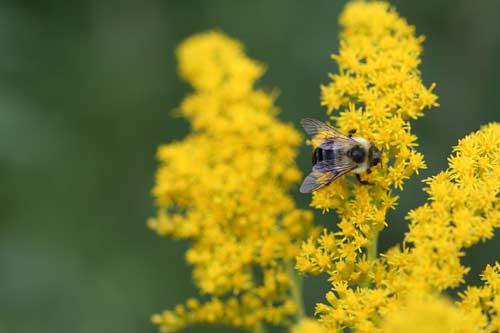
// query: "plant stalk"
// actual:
[[259, 328], [296, 289], [373, 248], [371, 253]]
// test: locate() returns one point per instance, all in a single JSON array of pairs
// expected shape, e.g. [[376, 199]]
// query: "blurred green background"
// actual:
[[86, 93]]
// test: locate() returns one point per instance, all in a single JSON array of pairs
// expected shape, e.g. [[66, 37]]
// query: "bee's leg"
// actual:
[[351, 132], [362, 182]]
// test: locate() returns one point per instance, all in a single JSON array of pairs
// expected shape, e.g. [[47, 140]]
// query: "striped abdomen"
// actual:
[[322, 155]]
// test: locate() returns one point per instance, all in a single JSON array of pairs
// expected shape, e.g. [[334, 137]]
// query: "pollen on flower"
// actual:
[[225, 188]]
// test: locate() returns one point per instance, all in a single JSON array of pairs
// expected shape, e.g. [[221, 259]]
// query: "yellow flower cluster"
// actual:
[[483, 303], [464, 209], [378, 90], [224, 188]]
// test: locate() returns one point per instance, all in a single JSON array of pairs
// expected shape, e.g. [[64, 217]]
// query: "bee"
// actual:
[[336, 154]]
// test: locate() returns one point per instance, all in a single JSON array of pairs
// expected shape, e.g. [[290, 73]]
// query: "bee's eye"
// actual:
[[357, 155]]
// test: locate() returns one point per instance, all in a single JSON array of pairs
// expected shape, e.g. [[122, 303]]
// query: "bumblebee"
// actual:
[[336, 154]]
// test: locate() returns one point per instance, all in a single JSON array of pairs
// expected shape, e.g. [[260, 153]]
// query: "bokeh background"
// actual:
[[87, 90]]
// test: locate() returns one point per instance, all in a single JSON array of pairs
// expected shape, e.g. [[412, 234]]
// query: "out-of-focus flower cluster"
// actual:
[[224, 187], [427, 313]]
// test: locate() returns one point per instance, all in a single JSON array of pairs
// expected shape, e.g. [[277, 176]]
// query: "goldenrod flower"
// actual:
[[224, 187], [483, 303], [378, 91], [464, 208]]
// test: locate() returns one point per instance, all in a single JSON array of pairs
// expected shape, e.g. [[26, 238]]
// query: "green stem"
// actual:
[[372, 252], [373, 248], [259, 328], [296, 289]]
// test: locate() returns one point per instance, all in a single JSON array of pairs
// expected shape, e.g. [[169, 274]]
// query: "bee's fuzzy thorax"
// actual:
[[363, 166], [363, 142]]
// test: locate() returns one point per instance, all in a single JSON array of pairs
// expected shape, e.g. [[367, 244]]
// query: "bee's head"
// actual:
[[374, 155]]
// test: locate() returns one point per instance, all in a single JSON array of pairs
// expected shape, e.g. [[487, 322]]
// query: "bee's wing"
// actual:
[[325, 136], [314, 127], [324, 173]]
